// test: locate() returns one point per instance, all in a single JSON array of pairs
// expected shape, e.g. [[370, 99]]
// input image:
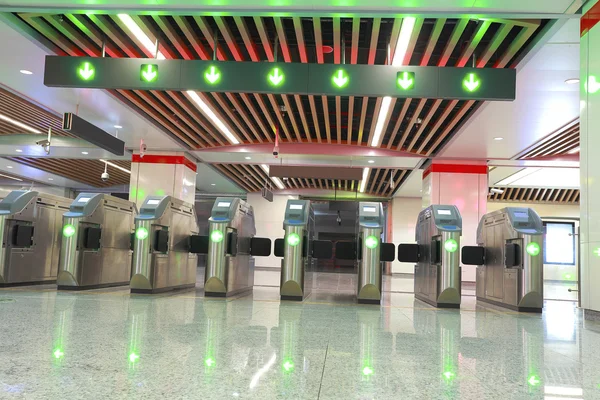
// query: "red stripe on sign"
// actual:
[[590, 19], [154, 159], [456, 169]]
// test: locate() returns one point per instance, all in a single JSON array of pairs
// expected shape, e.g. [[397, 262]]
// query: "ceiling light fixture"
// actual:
[[9, 166], [151, 47], [11, 177], [85, 153], [50, 179], [363, 182], [408, 25], [20, 125], [496, 191], [19, 150], [118, 127], [371, 161], [248, 158], [575, 150], [213, 184], [572, 81], [116, 166], [498, 139], [26, 72]]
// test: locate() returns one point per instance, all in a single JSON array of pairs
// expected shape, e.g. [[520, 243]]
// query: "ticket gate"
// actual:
[[509, 259], [30, 225], [96, 243], [231, 247], [369, 252], [299, 250], [437, 269], [162, 259]]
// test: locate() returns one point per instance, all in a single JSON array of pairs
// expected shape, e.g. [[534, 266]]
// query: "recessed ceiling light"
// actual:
[[26, 72], [498, 138], [213, 184], [371, 161], [50, 179], [9, 167], [85, 153], [248, 158], [19, 150], [118, 127], [572, 81]]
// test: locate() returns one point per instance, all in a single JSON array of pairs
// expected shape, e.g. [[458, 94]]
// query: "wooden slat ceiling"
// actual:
[[25, 112], [562, 142], [253, 178], [536, 195], [420, 126], [80, 170]]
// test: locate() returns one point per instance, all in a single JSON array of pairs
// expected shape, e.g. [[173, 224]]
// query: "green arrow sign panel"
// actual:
[[281, 78]]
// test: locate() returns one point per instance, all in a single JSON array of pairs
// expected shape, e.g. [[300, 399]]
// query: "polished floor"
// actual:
[[108, 344]]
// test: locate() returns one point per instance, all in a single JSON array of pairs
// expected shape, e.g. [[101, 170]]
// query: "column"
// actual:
[[162, 174], [462, 185], [590, 162]]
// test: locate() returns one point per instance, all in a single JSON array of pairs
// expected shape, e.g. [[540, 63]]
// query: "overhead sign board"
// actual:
[[281, 78]]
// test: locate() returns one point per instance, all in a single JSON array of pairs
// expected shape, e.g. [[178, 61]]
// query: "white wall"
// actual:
[[269, 222], [405, 211]]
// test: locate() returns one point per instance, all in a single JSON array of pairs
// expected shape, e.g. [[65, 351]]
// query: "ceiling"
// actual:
[[418, 126], [535, 195], [316, 6]]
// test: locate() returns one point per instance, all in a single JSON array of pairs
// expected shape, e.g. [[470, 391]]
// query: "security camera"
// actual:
[[45, 145], [143, 148], [276, 151], [105, 176]]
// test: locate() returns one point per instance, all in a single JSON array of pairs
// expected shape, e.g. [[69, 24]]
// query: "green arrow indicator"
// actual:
[[86, 71], [340, 79], [149, 72], [293, 239], [133, 357], [276, 77], [533, 249], [216, 236], [212, 75], [533, 380], [371, 242], [406, 80], [288, 366], [451, 246], [471, 82], [367, 371], [58, 353], [597, 252], [209, 362], [592, 85]]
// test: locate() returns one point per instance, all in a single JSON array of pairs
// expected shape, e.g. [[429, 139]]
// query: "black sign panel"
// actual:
[[280, 78]]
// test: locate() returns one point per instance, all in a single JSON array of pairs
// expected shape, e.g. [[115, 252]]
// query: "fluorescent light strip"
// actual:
[[11, 177], [116, 166], [151, 47], [17, 123], [363, 182], [213, 117], [408, 25], [275, 180]]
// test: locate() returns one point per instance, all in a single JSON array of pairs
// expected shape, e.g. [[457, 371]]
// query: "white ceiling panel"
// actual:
[[544, 103], [210, 181], [561, 178], [94, 105], [413, 185]]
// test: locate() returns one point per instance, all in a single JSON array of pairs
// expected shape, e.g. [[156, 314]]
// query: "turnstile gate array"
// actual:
[[437, 271], [30, 224], [299, 250], [509, 259], [96, 243], [369, 252], [162, 258]]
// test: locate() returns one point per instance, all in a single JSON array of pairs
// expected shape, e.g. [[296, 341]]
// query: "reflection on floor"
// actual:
[[110, 344]]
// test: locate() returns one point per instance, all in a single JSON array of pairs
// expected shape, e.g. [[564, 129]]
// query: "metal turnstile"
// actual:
[[96, 243], [437, 256], [510, 259], [299, 250], [30, 226], [231, 247], [369, 252], [162, 259]]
